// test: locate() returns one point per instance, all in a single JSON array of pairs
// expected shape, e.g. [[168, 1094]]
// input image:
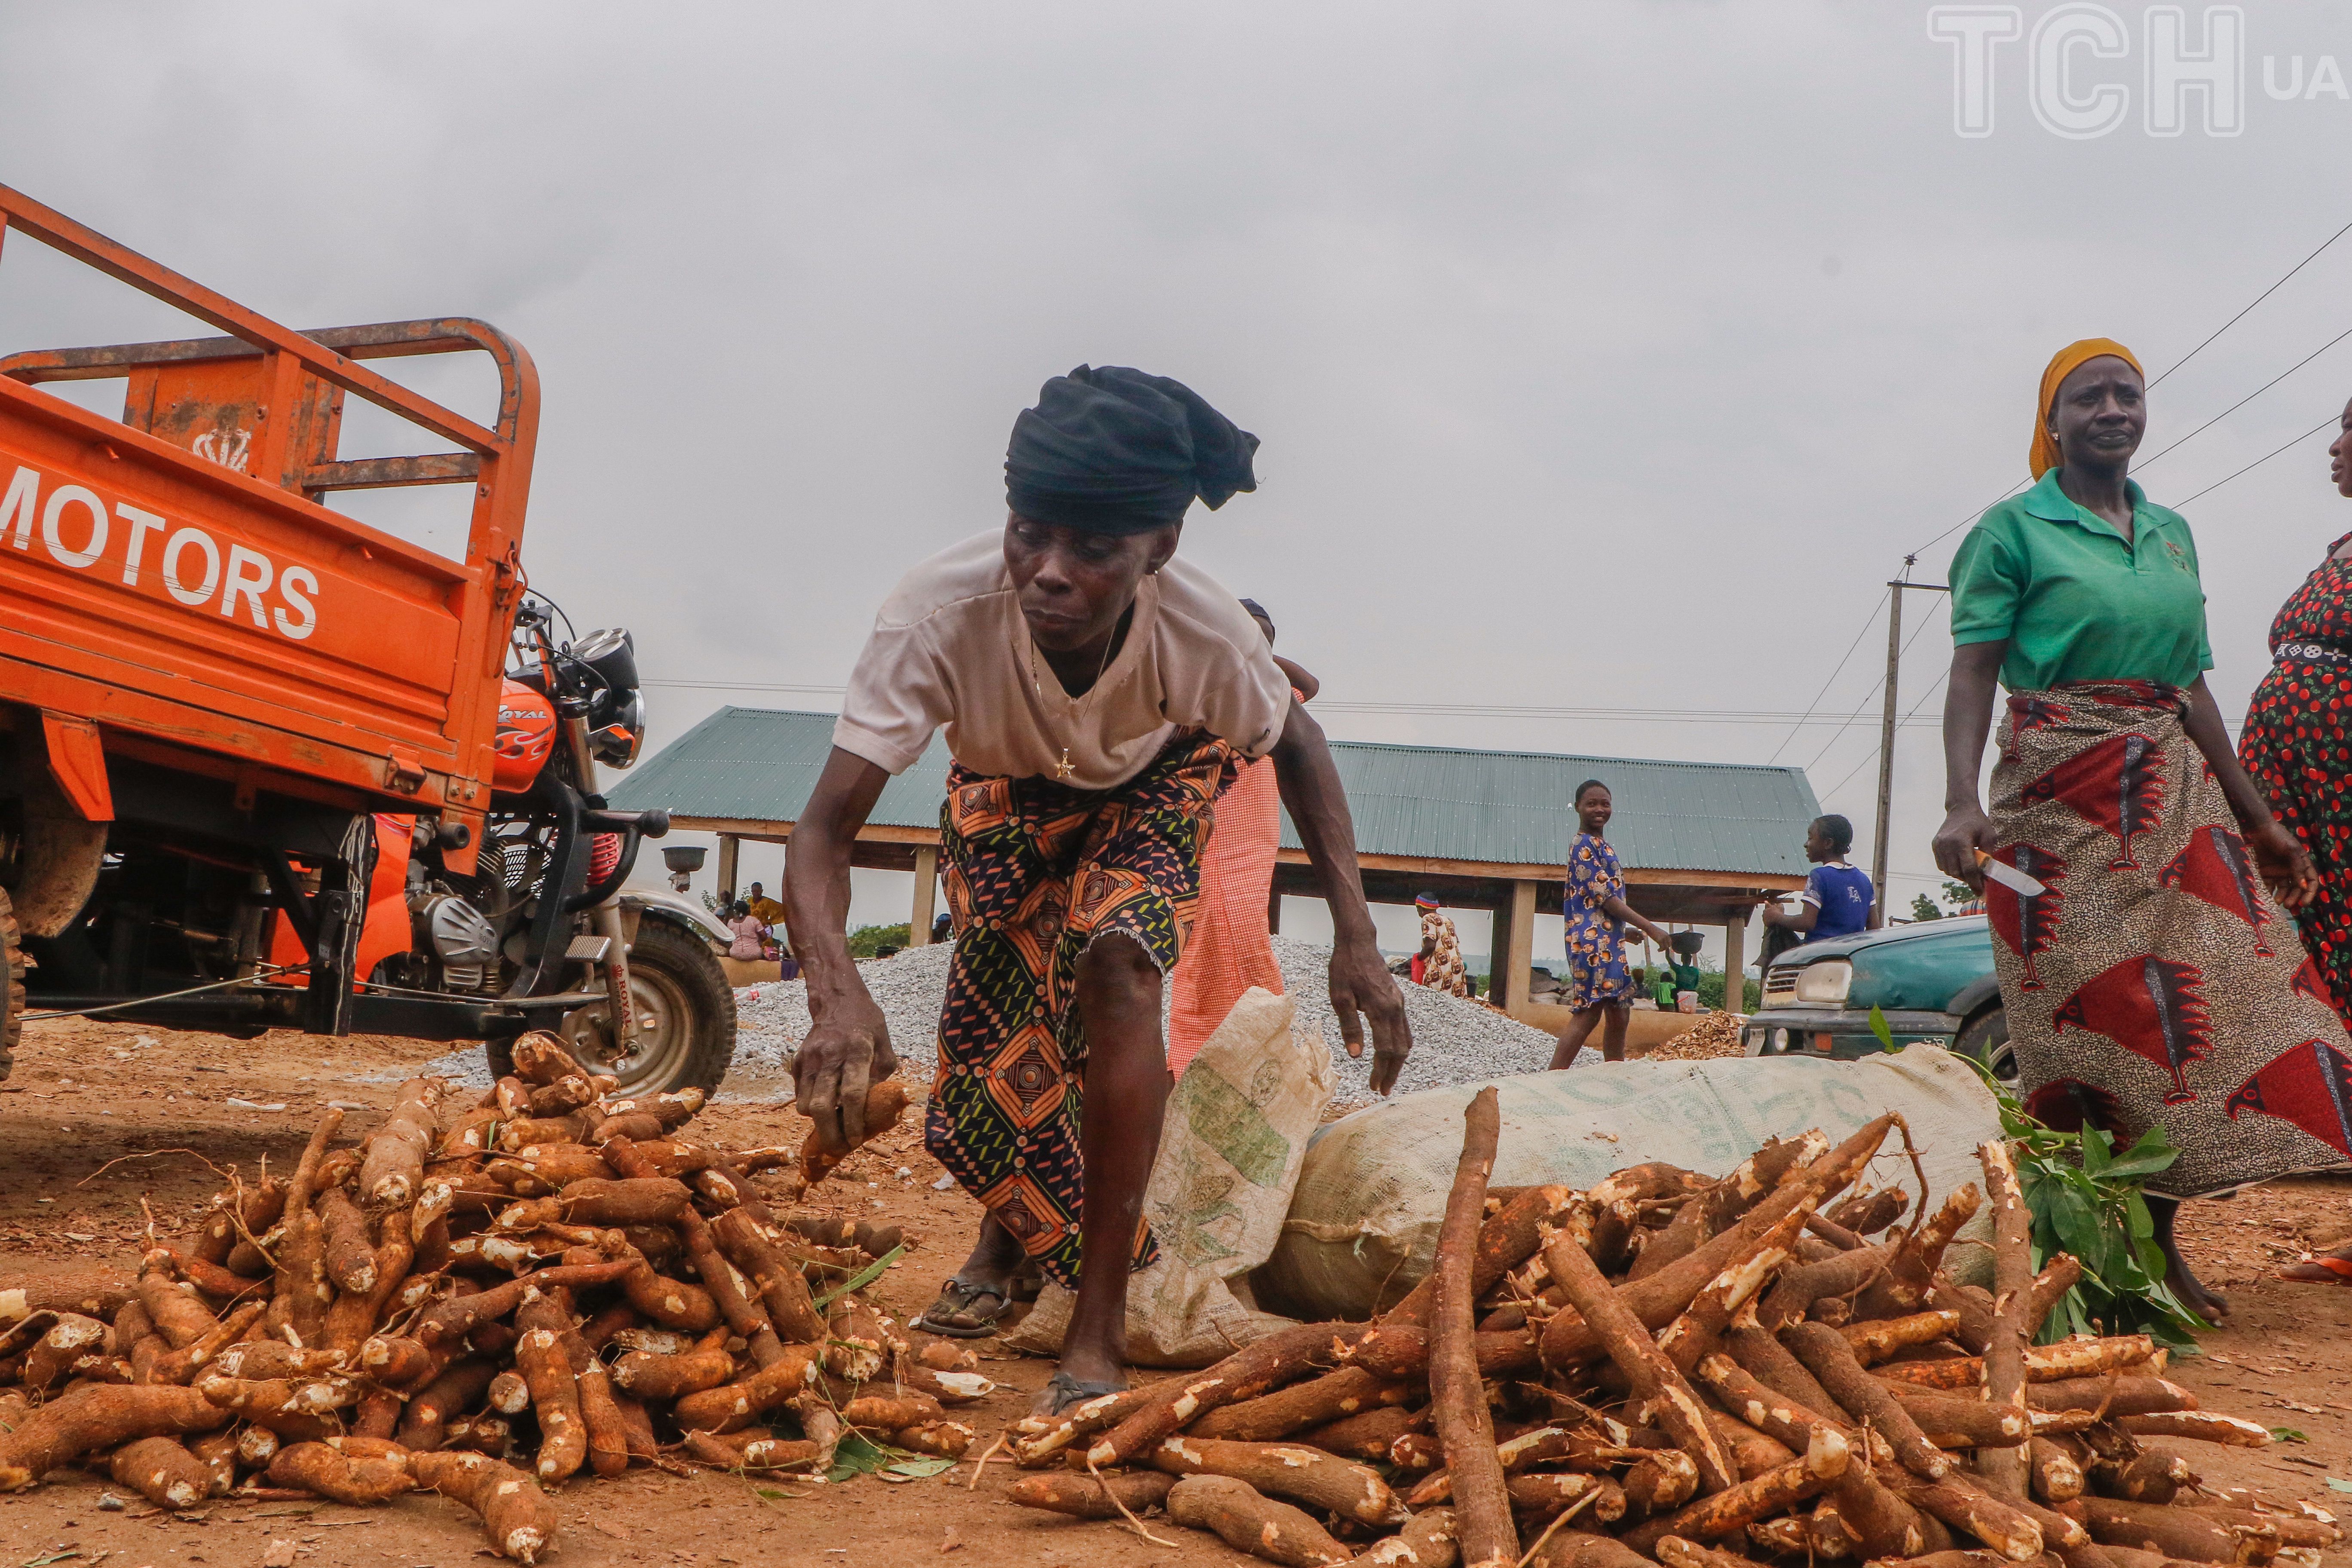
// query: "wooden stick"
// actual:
[[1466, 1427]]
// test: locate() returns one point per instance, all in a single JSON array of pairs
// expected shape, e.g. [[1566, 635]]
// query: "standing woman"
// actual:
[[2144, 985], [2297, 743], [1231, 945], [1596, 915], [1098, 693]]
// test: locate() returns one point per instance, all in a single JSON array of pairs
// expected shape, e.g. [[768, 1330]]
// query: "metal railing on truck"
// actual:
[[177, 593]]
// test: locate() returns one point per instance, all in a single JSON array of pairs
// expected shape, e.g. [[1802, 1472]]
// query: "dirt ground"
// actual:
[[104, 1123]]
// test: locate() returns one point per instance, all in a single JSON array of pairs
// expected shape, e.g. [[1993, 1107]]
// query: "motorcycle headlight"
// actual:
[[612, 654], [615, 741], [1826, 983]]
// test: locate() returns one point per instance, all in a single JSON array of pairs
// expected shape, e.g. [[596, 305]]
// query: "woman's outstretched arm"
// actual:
[[1967, 722], [2279, 854]]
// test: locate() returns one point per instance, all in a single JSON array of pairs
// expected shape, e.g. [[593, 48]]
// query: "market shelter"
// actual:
[[1703, 843]]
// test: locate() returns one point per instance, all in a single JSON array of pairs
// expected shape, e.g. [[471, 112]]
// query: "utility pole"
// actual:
[[1886, 725]]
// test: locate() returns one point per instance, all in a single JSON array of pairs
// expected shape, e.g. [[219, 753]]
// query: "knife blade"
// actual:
[[2009, 876]]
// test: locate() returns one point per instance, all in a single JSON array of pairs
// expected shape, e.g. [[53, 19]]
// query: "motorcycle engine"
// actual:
[[458, 934]]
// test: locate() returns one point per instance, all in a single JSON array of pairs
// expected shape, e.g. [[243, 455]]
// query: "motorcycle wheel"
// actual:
[[685, 1010]]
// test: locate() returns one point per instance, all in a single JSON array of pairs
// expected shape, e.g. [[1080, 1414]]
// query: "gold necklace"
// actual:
[[1066, 768]]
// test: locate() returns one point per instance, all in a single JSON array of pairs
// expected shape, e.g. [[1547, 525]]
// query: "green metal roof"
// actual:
[[1514, 808], [761, 765], [1435, 802]]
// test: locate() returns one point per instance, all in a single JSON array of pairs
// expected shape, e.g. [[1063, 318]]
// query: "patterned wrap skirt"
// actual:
[[2154, 981], [1036, 873]]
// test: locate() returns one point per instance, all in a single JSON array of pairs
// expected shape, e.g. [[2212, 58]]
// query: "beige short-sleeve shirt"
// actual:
[[950, 647]]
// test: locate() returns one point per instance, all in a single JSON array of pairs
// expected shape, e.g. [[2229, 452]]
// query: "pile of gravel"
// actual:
[[772, 1019], [1455, 1041]]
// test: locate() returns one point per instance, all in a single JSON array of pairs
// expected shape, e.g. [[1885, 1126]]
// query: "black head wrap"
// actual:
[[1112, 450]]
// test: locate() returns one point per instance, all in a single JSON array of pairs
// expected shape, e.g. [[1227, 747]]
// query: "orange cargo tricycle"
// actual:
[[264, 766]]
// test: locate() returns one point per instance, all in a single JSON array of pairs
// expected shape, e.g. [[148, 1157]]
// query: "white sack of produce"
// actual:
[[1229, 1152], [1363, 1224]]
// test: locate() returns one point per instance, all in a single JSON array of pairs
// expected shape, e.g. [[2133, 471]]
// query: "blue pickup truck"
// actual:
[[1933, 982]]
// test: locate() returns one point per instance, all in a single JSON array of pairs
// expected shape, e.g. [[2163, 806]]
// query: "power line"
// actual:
[[2247, 398], [1903, 723], [1879, 686], [1824, 691], [1410, 710], [2241, 315], [2176, 365], [2325, 424], [1919, 550]]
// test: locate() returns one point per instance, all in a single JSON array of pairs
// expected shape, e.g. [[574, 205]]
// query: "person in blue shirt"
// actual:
[[1837, 900]]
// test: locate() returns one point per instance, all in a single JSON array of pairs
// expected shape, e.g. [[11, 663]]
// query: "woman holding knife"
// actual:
[[2151, 980]]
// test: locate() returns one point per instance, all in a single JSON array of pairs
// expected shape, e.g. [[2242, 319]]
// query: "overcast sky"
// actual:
[[1608, 354]]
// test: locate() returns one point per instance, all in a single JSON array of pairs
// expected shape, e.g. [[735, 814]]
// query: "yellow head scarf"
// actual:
[[2069, 359]]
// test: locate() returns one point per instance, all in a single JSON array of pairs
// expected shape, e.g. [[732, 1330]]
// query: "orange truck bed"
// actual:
[[178, 594]]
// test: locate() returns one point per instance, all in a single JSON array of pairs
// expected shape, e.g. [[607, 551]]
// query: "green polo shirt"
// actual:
[[2073, 600]]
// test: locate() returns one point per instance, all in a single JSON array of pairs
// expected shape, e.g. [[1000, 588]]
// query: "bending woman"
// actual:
[[1098, 693], [2147, 983], [1595, 917], [2296, 744]]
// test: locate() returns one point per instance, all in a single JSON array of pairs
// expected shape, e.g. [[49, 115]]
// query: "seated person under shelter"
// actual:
[[1837, 900]]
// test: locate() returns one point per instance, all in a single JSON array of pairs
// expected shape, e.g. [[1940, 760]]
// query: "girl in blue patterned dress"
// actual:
[[1594, 908]]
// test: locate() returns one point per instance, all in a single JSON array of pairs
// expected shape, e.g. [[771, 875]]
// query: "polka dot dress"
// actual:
[[2297, 744]]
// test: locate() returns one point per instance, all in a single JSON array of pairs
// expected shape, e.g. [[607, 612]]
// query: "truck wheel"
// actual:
[[685, 1010], [1986, 1037], [12, 997]]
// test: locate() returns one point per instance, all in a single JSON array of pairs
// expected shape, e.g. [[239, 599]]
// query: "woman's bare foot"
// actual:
[[2210, 1305]]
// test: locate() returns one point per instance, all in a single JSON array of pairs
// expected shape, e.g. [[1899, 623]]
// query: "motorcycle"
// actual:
[[544, 924]]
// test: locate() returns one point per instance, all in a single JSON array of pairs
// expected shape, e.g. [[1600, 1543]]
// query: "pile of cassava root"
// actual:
[[482, 1301], [1702, 1374]]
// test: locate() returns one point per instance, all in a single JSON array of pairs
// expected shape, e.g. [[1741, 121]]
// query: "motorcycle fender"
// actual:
[[64, 846]]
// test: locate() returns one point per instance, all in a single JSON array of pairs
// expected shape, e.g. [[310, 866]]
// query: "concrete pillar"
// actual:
[[926, 895], [730, 851], [1735, 964], [1512, 946]]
